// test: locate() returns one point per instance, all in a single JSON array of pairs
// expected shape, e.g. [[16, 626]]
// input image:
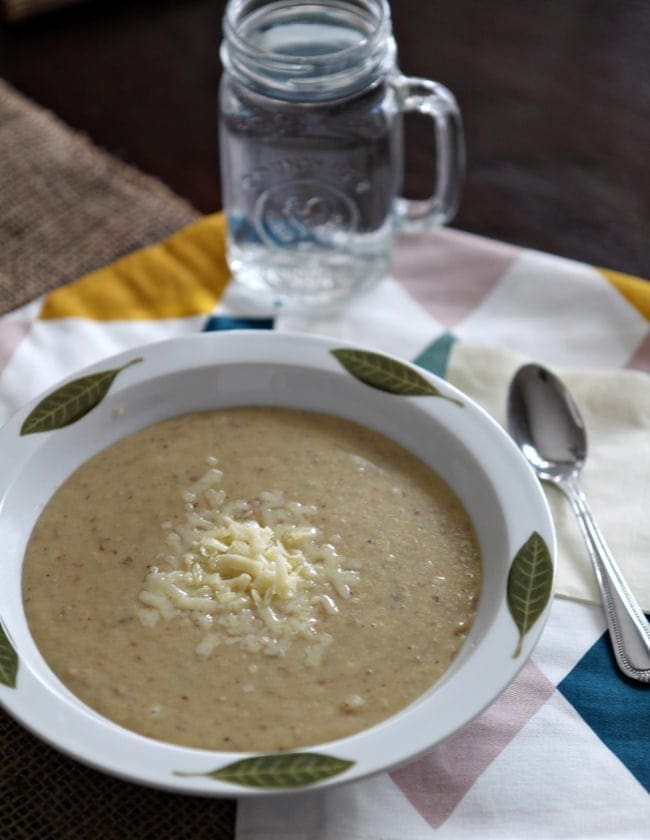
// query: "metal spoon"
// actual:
[[546, 425]]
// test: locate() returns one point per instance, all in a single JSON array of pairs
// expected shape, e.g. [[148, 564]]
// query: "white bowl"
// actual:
[[454, 436]]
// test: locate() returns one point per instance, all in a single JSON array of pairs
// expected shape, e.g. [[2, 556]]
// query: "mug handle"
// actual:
[[436, 101]]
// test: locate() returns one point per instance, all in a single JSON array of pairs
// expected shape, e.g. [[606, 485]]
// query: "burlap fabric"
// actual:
[[19, 9], [65, 209]]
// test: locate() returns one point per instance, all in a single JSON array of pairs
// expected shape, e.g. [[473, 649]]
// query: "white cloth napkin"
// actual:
[[615, 405]]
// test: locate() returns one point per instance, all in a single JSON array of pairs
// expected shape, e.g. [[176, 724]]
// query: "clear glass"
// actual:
[[311, 147]]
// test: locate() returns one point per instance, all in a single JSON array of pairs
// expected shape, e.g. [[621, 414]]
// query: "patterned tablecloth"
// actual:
[[564, 751]]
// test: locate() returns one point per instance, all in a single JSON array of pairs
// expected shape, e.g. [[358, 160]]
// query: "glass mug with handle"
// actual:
[[311, 107]]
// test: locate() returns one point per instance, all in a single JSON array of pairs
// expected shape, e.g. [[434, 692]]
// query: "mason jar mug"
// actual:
[[311, 107]]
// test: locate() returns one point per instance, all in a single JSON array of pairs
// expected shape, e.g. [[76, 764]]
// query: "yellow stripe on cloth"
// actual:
[[183, 275], [634, 290]]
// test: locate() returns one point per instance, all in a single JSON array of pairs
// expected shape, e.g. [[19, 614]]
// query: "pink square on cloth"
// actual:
[[11, 334], [449, 272], [641, 358], [437, 782]]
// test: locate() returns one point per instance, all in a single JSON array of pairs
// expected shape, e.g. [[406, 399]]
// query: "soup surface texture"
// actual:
[[251, 579]]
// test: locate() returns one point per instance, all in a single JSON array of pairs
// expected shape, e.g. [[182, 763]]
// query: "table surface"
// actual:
[[555, 98]]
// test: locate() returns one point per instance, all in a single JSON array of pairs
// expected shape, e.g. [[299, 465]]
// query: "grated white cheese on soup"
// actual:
[[246, 571]]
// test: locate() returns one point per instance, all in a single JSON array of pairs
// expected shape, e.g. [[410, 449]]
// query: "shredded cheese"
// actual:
[[251, 572]]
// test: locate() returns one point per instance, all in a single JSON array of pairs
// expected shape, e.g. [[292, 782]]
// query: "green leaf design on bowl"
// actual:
[[387, 374], [279, 770], [529, 585], [8, 661], [71, 401]]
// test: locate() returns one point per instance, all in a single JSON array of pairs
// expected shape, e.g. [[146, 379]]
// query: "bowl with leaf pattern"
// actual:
[[49, 438]]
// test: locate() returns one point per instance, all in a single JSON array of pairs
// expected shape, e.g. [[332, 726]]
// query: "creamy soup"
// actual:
[[251, 579]]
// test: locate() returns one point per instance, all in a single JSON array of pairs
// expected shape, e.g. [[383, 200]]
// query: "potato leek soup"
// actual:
[[251, 579]]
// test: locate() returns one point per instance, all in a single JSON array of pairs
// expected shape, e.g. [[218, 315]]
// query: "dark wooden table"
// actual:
[[555, 97]]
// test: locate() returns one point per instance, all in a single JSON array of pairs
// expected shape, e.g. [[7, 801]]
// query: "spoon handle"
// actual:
[[628, 627]]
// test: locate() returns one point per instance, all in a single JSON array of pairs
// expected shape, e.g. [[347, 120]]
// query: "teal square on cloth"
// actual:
[[435, 357], [615, 707]]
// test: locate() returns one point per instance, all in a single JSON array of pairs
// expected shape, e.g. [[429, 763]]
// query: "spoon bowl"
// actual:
[[546, 423]]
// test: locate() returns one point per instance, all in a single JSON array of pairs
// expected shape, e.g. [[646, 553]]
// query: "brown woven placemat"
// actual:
[[66, 208]]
